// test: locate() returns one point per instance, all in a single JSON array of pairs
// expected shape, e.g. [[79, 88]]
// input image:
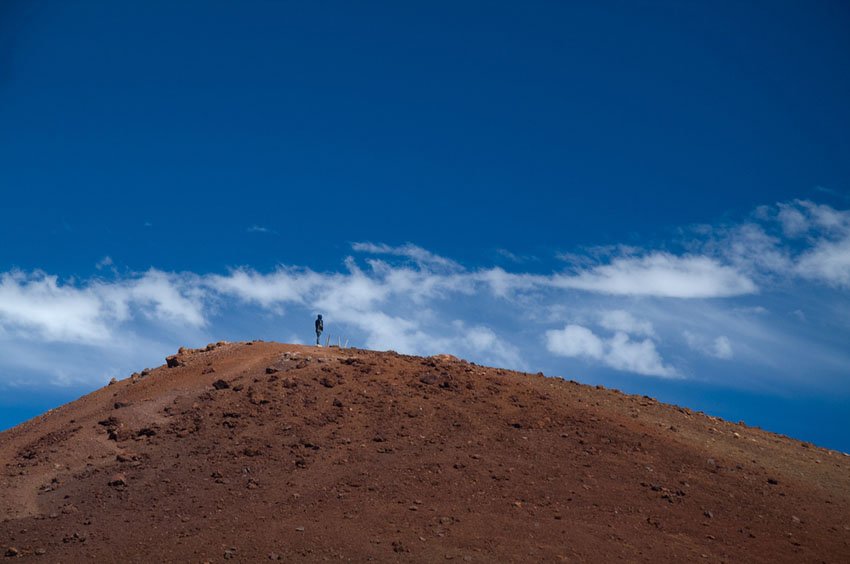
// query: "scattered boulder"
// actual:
[[446, 357], [112, 381], [12, 552], [110, 421], [220, 385], [173, 361], [429, 379]]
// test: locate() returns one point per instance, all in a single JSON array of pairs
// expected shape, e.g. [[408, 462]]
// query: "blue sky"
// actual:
[[652, 196]]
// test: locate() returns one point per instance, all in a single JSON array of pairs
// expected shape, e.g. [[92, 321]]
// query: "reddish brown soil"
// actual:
[[328, 454]]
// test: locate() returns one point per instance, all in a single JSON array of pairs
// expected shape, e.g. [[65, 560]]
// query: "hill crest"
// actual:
[[246, 451]]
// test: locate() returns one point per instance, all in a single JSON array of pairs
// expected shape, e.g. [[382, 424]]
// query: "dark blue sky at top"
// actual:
[[464, 127]]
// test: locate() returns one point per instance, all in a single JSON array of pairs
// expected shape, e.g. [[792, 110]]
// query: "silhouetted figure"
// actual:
[[320, 326]]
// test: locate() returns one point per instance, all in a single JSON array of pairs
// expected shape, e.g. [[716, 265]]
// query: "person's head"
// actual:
[[320, 316]]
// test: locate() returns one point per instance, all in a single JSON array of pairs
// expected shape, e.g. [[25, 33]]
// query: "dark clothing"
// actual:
[[320, 325]]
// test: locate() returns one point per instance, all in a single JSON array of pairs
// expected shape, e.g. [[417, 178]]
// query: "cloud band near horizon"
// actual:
[[717, 294]]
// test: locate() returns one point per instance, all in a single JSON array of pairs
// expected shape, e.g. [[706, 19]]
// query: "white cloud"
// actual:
[[828, 262], [722, 347], [663, 275], [281, 286], [719, 347], [640, 357], [620, 320], [784, 243], [575, 341], [40, 307], [618, 351], [792, 220]]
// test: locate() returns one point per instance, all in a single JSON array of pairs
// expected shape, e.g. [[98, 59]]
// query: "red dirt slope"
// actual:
[[327, 454]]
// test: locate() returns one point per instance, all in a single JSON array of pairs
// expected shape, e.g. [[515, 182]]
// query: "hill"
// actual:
[[258, 451]]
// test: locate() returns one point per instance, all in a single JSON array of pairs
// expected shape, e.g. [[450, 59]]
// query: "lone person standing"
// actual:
[[319, 328]]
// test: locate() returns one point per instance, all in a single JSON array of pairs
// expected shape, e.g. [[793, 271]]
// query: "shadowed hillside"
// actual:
[[257, 451]]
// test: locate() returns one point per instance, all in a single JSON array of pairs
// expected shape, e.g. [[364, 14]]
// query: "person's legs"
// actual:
[[318, 335]]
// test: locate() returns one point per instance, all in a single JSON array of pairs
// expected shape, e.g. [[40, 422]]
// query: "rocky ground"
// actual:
[[263, 451]]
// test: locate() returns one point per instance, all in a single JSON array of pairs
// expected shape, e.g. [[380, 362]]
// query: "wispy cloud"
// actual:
[[419, 255], [260, 229]]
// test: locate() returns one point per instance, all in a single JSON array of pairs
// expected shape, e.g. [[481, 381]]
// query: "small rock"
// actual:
[[230, 553], [772, 481], [274, 556], [12, 552], [118, 481], [220, 385], [337, 403], [113, 381], [795, 519], [299, 529], [40, 551], [271, 370], [708, 514]]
